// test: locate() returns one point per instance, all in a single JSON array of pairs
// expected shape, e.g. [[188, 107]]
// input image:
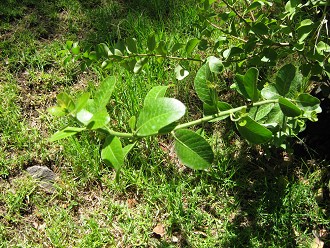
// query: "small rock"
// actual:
[[44, 175]]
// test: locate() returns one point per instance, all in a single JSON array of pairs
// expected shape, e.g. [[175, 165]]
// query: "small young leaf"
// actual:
[[75, 48], [158, 114], [66, 132], [155, 92], [180, 72], [112, 152], [65, 101], [288, 108], [151, 43], [56, 111], [191, 44], [247, 84], [284, 78], [132, 123], [253, 131], [193, 150], [127, 149]]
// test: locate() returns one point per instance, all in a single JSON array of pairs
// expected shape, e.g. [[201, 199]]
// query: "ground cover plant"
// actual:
[[113, 83]]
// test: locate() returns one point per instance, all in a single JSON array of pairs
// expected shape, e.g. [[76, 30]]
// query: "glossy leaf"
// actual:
[[112, 152], [180, 72], [247, 84], [155, 92], [193, 150], [284, 78], [66, 132], [157, 114], [215, 64], [253, 131], [127, 149], [288, 108]]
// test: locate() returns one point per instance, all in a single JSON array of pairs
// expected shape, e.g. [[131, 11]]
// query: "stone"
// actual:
[[44, 175]]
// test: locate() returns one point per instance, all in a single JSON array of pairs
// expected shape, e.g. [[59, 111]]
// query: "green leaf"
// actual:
[[139, 64], [260, 28], [161, 49], [151, 43], [104, 92], [158, 114], [308, 102], [132, 123], [259, 112], [65, 101], [202, 84], [75, 48], [191, 44], [81, 102], [127, 149], [176, 47], [253, 131], [193, 150], [155, 92], [99, 119], [68, 44], [269, 92], [104, 49], [284, 78], [247, 84], [212, 110], [112, 152], [288, 108], [131, 45], [66, 132], [306, 26], [56, 111], [215, 64], [180, 72]]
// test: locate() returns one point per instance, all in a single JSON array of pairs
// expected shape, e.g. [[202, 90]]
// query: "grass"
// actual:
[[244, 200]]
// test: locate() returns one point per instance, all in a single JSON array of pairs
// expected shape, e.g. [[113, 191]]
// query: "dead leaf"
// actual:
[[131, 203], [317, 243], [159, 230]]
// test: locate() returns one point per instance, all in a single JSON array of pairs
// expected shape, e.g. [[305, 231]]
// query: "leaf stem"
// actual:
[[222, 113], [159, 56]]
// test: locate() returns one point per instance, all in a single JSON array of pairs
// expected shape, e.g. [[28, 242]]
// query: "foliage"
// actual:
[[275, 109]]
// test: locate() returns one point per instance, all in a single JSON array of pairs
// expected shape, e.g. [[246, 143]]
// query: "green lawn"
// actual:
[[246, 199]]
